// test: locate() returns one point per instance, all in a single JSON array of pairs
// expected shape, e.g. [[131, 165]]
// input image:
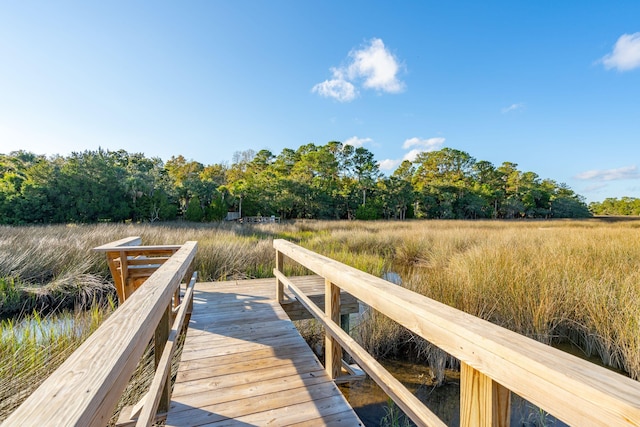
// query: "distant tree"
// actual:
[[194, 211], [614, 206], [217, 210]]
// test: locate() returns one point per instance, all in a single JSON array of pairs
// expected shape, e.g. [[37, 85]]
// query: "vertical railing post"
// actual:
[[279, 284], [483, 402], [332, 349], [161, 336]]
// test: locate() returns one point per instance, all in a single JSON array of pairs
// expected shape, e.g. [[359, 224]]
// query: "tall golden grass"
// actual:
[[553, 281]]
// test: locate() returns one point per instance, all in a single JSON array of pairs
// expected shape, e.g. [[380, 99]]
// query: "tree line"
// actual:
[[615, 206], [331, 181]]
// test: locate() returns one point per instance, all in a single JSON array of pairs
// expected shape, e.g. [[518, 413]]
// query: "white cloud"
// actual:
[[625, 55], [374, 65], [357, 142], [337, 88], [513, 107], [389, 164], [429, 144], [377, 66], [424, 145], [626, 172]]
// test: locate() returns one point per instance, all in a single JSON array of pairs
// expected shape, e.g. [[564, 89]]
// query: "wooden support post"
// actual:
[[160, 339], [332, 349], [124, 276], [279, 284], [483, 402]]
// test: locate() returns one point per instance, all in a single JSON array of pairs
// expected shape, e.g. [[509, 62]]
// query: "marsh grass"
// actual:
[[35, 346], [553, 281]]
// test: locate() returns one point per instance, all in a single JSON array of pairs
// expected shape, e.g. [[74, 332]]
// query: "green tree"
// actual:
[[194, 211]]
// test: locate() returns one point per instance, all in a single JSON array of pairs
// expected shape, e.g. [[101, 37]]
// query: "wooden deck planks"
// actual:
[[245, 364]]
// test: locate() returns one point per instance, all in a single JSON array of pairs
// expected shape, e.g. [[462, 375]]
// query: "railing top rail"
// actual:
[[137, 248], [84, 390], [127, 241], [571, 389]]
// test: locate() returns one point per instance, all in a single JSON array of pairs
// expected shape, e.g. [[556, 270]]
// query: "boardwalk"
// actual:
[[245, 364]]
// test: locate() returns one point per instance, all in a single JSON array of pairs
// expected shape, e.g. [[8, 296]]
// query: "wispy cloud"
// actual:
[[338, 88], [625, 55], [357, 142], [626, 172], [428, 144], [594, 188], [513, 107], [423, 145], [373, 66]]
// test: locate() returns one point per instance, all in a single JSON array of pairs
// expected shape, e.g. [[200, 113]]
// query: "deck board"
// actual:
[[245, 364]]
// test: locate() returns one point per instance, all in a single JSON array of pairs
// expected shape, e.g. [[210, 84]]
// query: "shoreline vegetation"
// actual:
[[331, 181], [558, 281]]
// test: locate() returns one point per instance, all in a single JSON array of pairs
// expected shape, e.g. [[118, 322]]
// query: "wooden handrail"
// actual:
[[85, 389], [495, 360], [163, 370], [127, 241], [410, 404]]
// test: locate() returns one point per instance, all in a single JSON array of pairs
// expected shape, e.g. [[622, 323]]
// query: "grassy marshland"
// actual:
[[554, 281]]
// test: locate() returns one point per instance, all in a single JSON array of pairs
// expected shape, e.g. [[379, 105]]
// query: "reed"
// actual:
[[35, 346]]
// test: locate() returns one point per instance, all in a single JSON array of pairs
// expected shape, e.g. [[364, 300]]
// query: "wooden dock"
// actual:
[[245, 364]]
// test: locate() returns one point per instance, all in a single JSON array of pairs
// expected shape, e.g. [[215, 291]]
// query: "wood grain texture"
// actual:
[[573, 390], [333, 351], [483, 402], [244, 363]]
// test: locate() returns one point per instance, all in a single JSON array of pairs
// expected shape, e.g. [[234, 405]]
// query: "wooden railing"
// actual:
[[131, 264], [259, 219], [86, 388], [494, 361]]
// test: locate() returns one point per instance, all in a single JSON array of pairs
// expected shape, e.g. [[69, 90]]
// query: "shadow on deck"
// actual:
[[245, 364]]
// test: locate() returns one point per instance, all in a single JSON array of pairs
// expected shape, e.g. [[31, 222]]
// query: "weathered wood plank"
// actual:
[[252, 405], [248, 356], [302, 363], [241, 391], [244, 360], [291, 414]]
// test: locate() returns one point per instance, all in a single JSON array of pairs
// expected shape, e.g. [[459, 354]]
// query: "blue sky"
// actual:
[[551, 86]]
